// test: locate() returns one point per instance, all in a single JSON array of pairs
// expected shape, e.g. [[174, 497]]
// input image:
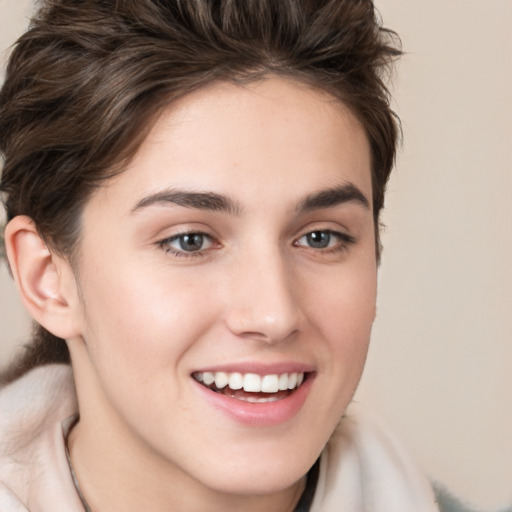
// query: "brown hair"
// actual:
[[86, 81]]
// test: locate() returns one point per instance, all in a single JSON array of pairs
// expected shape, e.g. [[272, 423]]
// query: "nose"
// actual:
[[263, 303]]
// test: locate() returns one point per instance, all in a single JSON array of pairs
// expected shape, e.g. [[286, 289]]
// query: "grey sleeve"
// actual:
[[449, 503]]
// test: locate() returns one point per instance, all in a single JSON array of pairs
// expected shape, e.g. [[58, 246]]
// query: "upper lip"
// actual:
[[258, 368]]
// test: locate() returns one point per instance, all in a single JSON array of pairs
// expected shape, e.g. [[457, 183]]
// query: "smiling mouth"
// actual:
[[251, 387]]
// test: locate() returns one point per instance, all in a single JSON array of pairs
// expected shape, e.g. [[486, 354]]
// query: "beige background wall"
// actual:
[[440, 365]]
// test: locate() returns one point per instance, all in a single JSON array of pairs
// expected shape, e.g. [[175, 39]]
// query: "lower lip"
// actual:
[[266, 414]]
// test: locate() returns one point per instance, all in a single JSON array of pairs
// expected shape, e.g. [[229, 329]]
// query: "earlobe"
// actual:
[[45, 281]]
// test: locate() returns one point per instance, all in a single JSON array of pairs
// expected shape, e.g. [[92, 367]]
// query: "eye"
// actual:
[[318, 239], [186, 244], [324, 239]]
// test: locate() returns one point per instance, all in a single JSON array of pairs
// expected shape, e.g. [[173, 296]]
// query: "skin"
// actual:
[[146, 314]]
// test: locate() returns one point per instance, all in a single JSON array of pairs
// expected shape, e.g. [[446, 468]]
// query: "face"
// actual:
[[227, 287]]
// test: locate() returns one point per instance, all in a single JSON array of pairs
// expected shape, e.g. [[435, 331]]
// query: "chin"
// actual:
[[259, 476]]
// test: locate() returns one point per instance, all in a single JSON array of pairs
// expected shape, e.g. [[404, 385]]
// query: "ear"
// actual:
[[44, 280]]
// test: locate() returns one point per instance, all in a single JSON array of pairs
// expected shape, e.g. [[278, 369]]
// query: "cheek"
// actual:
[[346, 304], [139, 332], [143, 321], [344, 316]]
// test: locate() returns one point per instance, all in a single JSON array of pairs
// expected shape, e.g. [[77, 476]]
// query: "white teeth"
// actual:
[[292, 380], [270, 384], [208, 378], [258, 400], [221, 380], [251, 382], [283, 382], [236, 381]]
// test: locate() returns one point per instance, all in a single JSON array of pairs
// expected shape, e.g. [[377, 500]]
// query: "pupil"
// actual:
[[192, 242], [319, 239]]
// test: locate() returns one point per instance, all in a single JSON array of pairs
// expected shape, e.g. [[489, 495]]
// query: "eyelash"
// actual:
[[343, 243]]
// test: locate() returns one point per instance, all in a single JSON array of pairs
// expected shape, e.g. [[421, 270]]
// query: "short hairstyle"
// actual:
[[86, 82]]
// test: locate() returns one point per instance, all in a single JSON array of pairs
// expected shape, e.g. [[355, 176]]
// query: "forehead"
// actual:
[[274, 136]]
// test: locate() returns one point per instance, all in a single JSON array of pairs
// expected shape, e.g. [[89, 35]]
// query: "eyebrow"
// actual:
[[212, 201], [199, 200], [332, 197]]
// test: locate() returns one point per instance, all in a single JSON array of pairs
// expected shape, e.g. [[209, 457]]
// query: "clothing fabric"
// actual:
[[362, 469], [34, 473]]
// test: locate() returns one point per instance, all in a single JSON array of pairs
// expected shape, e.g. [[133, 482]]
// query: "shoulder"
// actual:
[[31, 442], [44, 383], [34, 400], [364, 467]]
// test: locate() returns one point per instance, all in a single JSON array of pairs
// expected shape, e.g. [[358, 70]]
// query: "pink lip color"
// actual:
[[259, 369], [259, 414]]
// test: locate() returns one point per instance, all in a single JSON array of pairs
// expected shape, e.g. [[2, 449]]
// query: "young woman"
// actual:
[[193, 191]]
